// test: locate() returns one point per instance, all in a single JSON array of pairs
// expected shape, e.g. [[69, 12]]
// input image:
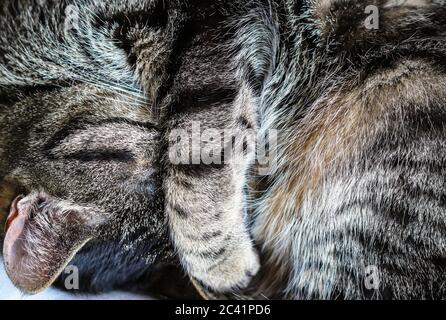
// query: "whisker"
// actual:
[[110, 99], [137, 99]]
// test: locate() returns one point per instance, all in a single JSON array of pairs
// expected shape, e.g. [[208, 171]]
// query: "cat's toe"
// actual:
[[233, 272]]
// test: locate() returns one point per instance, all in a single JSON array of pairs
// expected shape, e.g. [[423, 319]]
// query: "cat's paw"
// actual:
[[233, 273]]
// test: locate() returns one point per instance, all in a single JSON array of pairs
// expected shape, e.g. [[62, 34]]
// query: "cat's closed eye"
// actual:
[[117, 140]]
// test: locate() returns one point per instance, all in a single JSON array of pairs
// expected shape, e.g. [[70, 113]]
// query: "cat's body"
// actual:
[[355, 207], [357, 190]]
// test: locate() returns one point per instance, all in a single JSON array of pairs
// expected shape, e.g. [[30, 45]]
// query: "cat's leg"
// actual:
[[206, 208]]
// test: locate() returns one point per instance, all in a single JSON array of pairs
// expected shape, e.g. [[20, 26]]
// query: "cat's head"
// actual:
[[83, 157], [77, 164]]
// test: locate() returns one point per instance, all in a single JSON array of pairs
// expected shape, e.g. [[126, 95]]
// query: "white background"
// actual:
[[9, 292]]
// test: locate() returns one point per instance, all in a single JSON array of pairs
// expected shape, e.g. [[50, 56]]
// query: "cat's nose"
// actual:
[[352, 24]]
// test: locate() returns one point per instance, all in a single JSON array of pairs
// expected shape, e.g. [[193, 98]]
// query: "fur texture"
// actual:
[[107, 131], [358, 179]]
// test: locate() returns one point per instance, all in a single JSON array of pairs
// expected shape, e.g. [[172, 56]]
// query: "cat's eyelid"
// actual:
[[80, 124], [119, 155]]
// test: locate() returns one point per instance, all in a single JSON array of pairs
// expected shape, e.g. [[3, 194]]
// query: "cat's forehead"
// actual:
[[90, 102]]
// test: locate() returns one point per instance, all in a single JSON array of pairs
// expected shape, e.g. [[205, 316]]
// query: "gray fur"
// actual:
[[359, 174], [362, 182], [127, 80]]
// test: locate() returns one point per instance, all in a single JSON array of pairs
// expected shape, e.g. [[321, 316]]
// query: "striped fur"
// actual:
[[358, 180], [110, 91]]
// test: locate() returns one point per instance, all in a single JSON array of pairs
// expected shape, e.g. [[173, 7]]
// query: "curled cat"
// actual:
[[353, 207], [87, 119]]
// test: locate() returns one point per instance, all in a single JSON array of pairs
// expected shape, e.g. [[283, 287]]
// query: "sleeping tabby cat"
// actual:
[[93, 94], [355, 205]]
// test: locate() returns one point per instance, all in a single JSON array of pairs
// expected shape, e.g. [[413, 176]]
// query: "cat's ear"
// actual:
[[42, 236]]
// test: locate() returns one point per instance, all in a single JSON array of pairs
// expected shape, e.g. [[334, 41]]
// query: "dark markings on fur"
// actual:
[[99, 155], [210, 254], [180, 212], [305, 52], [205, 236], [145, 125], [183, 41], [217, 263], [153, 18], [183, 182], [199, 170], [82, 123], [245, 147], [245, 123], [194, 101], [253, 79], [203, 19], [222, 258]]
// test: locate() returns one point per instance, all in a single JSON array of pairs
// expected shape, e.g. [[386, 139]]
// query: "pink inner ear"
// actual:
[[13, 248], [14, 212], [33, 266]]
